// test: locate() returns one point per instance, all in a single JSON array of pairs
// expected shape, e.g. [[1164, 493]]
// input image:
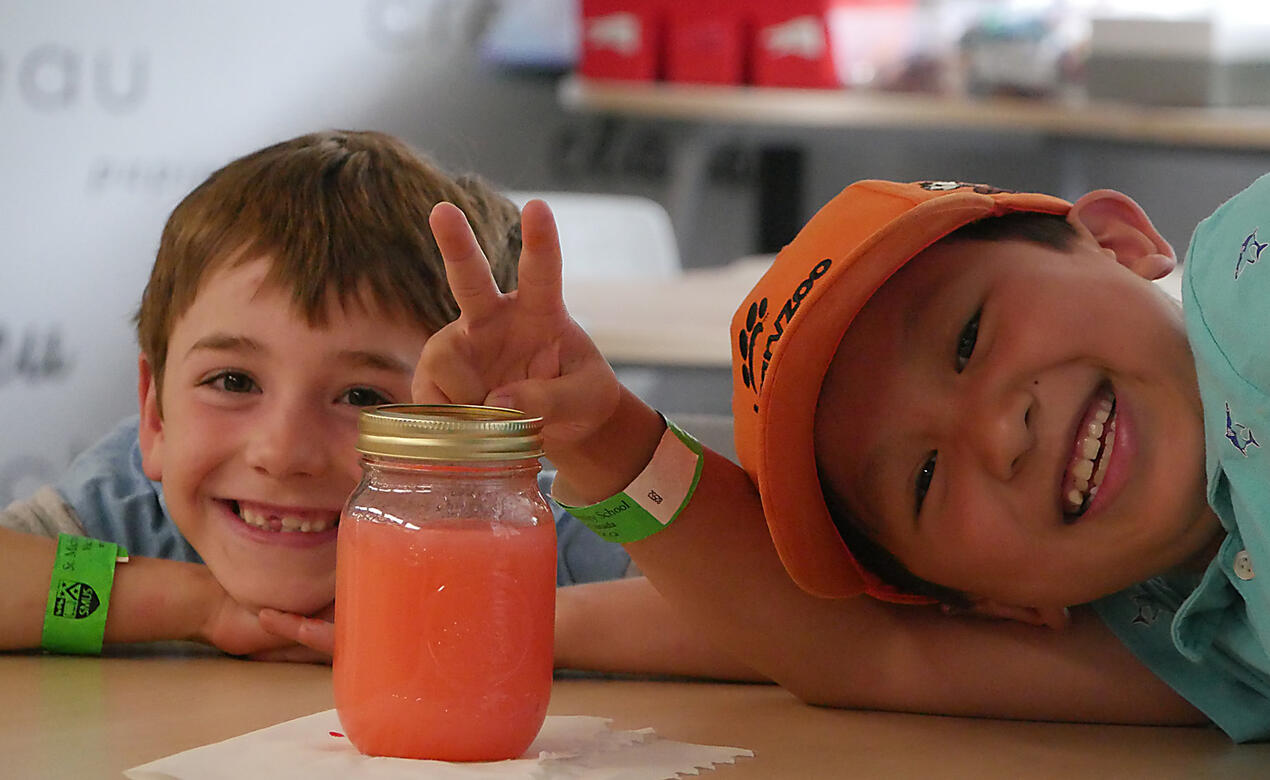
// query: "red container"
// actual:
[[791, 44], [828, 43], [707, 41], [622, 39]]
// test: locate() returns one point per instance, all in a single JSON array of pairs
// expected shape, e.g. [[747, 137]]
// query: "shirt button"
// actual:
[[1243, 565]]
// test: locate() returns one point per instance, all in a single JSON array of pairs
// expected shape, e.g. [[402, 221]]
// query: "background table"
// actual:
[[89, 718]]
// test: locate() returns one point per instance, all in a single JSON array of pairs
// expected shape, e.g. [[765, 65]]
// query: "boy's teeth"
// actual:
[[1089, 449], [1106, 454], [284, 523], [1085, 469], [1092, 453]]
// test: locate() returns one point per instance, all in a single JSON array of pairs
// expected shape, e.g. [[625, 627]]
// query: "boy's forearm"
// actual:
[[155, 599], [150, 600], [717, 567], [625, 626], [715, 563]]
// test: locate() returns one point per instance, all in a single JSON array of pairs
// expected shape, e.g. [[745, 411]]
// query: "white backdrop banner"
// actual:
[[111, 112]]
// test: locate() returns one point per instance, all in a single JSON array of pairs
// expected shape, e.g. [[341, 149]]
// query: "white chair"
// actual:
[[609, 244], [606, 236]]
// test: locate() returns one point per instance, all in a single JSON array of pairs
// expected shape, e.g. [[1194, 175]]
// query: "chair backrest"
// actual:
[[606, 236]]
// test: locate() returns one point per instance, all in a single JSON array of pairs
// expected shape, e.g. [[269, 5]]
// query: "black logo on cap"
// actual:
[[754, 328]]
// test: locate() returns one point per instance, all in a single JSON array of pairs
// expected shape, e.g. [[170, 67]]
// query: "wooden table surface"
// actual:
[[69, 717]]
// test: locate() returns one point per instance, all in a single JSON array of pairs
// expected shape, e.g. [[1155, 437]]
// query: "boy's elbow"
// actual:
[[818, 690], [821, 698], [866, 681]]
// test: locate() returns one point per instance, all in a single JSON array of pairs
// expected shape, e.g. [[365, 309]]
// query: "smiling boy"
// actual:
[[293, 287], [1019, 467], [942, 393], [254, 442]]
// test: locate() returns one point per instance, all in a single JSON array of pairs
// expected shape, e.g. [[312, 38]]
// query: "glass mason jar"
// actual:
[[445, 586]]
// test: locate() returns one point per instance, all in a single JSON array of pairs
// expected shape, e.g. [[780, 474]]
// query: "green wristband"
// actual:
[[79, 594], [653, 499]]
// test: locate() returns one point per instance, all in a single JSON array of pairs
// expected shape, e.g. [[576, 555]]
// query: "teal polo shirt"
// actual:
[[1207, 636]]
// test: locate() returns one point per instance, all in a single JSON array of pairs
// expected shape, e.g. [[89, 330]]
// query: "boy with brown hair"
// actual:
[[294, 286], [943, 392]]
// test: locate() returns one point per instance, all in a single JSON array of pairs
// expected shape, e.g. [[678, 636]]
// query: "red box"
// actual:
[[827, 43], [622, 39], [707, 41], [791, 44]]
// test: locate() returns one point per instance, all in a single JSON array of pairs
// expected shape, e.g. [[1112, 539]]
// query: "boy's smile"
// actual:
[[1095, 441], [255, 445], [306, 525], [299, 527], [1020, 423]]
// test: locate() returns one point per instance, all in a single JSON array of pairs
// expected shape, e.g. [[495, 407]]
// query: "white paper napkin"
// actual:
[[575, 747]]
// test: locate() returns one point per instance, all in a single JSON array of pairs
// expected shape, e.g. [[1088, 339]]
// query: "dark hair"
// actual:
[[336, 213], [1051, 230]]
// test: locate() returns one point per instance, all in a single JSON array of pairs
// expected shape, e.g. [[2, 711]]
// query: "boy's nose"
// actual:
[[287, 443], [999, 426]]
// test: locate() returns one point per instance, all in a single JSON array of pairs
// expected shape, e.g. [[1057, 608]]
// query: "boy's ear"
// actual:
[[1123, 229], [150, 434], [1053, 617]]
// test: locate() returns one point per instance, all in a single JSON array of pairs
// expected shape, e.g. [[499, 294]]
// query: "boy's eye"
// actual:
[[966, 341], [232, 382], [924, 475], [364, 396]]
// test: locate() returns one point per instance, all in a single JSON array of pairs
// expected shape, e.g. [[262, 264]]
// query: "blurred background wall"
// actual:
[[111, 112]]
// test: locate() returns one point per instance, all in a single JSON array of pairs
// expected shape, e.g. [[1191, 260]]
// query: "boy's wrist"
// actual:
[[206, 600], [606, 461], [157, 600], [79, 594], [653, 499]]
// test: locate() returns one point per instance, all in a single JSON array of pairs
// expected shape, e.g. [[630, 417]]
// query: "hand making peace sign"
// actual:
[[519, 349]]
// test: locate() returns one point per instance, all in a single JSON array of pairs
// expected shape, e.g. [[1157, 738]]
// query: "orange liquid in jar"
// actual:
[[443, 637]]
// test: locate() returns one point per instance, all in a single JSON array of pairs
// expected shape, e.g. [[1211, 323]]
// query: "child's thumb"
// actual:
[[505, 398], [530, 396]]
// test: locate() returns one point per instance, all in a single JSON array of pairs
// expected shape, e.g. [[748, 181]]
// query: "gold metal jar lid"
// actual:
[[448, 432]]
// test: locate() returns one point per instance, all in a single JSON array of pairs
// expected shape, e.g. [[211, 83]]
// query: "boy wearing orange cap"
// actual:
[[944, 393]]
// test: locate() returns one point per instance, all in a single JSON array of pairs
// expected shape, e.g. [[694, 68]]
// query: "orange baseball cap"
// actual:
[[787, 330]]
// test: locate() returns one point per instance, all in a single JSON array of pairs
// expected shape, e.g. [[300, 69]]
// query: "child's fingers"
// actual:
[[450, 389], [446, 373], [425, 391], [295, 654], [466, 269], [310, 632], [540, 263], [570, 403]]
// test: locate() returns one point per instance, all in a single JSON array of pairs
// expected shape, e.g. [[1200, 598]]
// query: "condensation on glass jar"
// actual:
[[445, 586]]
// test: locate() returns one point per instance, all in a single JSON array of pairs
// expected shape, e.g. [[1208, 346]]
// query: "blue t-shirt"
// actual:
[[1207, 636], [114, 500]]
